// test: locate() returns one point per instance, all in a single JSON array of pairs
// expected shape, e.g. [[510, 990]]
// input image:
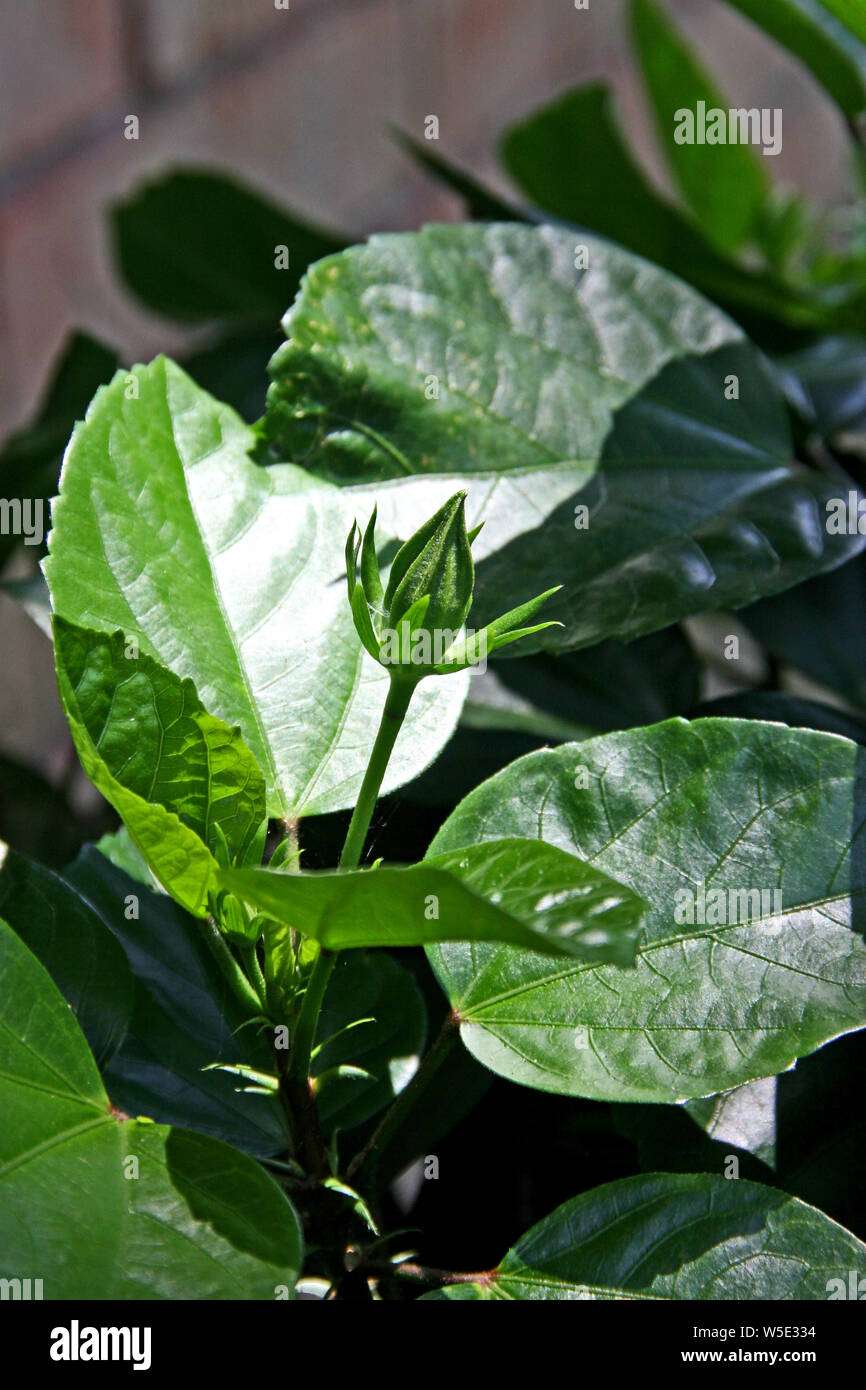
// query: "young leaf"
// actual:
[[666, 1235], [649, 472], [153, 734], [727, 987], [528, 894], [231, 575], [149, 1212]]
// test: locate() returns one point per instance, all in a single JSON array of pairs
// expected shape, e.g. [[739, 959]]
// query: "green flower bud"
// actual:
[[415, 625]]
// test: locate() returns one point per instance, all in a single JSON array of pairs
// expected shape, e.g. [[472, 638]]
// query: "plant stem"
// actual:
[[254, 974], [228, 965], [396, 705], [407, 1099], [296, 1081]]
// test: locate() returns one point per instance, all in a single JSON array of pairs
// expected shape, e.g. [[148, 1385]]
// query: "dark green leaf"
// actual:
[[64, 931], [832, 45], [742, 990], [674, 1236], [196, 245]]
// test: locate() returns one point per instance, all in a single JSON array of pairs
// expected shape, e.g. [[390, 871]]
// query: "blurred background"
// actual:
[[301, 103]]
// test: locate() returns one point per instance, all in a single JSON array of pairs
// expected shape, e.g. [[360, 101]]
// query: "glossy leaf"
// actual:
[[196, 245], [233, 576], [530, 895], [545, 405], [742, 989], [98, 1205], [671, 1236]]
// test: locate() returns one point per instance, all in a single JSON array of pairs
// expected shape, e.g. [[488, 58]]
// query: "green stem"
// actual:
[[228, 965], [399, 694], [407, 1100], [396, 705]]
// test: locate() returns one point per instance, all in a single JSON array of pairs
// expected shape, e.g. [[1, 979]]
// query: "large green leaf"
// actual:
[[728, 804], [99, 1206], [64, 932], [196, 245], [184, 1022], [726, 186], [557, 389], [670, 1236], [515, 890], [832, 45], [233, 576]]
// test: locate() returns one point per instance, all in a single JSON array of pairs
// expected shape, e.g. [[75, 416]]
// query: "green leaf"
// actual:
[[231, 575], [735, 806], [65, 933], [387, 1047], [106, 735], [725, 186], [531, 895], [153, 734], [30, 458], [832, 45], [606, 191], [545, 406], [190, 1218], [670, 1236], [184, 1018], [196, 245]]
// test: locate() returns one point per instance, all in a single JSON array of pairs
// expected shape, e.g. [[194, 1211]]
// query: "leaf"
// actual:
[[607, 192], [518, 891], [387, 1047], [776, 707], [728, 804], [725, 186], [66, 935], [196, 245], [795, 627], [184, 1018], [152, 733], [670, 1236], [30, 457], [190, 1218], [232, 576], [832, 46], [547, 404]]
